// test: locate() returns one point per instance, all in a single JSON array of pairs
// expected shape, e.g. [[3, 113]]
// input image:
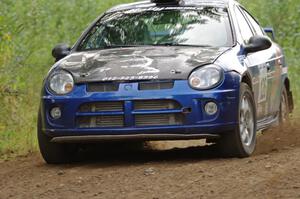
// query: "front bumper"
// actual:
[[196, 122]]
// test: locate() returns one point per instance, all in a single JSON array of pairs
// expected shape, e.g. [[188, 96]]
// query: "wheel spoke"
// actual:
[[243, 104], [247, 135], [246, 106], [246, 121], [241, 127], [244, 136]]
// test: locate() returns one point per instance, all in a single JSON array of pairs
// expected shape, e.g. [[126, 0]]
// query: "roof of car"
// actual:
[[149, 4]]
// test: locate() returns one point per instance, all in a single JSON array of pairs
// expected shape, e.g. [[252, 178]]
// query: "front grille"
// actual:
[[143, 85], [101, 106], [102, 87], [155, 85], [159, 119], [100, 121], [156, 105], [113, 114]]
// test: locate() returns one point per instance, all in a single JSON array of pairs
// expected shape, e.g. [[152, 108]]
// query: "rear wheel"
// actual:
[[242, 141], [54, 153]]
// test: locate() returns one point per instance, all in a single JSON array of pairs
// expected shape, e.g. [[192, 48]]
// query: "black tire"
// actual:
[[284, 107], [233, 144], [54, 153]]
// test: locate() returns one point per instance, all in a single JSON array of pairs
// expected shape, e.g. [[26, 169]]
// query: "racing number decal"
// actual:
[[263, 83]]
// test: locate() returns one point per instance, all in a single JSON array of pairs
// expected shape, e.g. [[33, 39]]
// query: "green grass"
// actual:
[[30, 28]]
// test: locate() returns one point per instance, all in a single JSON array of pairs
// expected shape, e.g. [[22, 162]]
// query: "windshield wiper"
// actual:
[[176, 44], [120, 46]]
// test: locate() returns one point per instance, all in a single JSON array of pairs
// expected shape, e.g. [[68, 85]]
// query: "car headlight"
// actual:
[[61, 82], [206, 77]]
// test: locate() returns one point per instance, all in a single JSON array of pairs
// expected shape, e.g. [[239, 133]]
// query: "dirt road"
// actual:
[[192, 172]]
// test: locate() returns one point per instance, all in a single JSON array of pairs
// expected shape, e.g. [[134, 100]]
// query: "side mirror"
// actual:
[[270, 32], [257, 43], [60, 51]]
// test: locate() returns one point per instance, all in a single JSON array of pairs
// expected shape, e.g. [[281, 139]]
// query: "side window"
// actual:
[[244, 28], [253, 22]]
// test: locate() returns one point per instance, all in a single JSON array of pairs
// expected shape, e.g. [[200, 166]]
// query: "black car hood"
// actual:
[[137, 63]]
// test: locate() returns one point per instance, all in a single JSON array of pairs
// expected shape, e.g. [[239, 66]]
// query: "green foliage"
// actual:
[[30, 28], [284, 17]]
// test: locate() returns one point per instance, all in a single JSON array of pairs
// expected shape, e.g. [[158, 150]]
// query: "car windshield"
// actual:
[[206, 26]]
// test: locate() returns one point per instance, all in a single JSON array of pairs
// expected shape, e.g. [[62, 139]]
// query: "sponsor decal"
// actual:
[[121, 78], [263, 83]]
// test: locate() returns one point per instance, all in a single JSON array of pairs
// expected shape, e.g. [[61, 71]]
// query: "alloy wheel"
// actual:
[[246, 121]]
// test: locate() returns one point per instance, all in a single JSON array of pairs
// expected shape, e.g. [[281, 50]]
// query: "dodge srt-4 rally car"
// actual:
[[165, 70]]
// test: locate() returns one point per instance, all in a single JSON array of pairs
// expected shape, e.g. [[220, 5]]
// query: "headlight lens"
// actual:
[[206, 77], [61, 83]]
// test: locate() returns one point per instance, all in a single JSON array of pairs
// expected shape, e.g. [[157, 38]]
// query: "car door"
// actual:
[[274, 62], [256, 64]]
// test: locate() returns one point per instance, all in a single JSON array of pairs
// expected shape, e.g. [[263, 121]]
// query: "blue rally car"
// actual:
[[165, 70]]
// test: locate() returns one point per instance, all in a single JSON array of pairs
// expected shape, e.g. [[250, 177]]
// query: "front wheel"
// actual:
[[242, 141], [54, 153]]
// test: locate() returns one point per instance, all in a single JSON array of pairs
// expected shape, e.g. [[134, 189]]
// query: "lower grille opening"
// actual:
[[101, 106], [100, 121], [156, 105], [159, 119]]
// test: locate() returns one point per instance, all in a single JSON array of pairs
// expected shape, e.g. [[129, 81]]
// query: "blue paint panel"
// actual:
[[225, 95]]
